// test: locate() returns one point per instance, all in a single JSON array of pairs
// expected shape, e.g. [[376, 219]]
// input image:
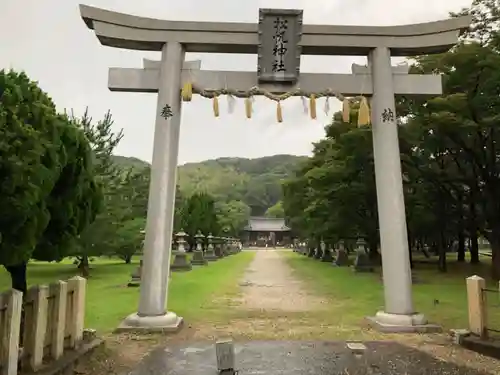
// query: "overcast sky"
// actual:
[[48, 39]]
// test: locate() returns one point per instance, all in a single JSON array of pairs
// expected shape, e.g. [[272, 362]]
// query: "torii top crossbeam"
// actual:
[[140, 33]]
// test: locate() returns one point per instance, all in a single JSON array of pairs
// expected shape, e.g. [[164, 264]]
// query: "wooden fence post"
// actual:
[[58, 321], [35, 325], [13, 301], [76, 322], [476, 300]]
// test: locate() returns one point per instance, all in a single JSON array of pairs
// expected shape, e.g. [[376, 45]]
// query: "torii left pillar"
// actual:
[[152, 313]]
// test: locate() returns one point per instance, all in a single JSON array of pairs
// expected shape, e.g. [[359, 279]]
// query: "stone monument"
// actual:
[[362, 262], [181, 258], [218, 247], [327, 253], [210, 252], [341, 258], [198, 256], [318, 253], [279, 39], [136, 276]]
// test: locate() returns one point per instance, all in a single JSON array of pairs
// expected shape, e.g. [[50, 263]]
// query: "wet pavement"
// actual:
[[295, 357]]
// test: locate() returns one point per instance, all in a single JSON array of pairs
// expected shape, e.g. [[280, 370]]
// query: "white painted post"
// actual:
[[76, 321], [13, 301], [152, 311], [476, 303], [59, 291], [35, 326], [391, 207]]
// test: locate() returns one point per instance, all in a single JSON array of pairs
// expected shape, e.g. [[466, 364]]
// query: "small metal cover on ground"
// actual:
[[356, 347], [224, 350]]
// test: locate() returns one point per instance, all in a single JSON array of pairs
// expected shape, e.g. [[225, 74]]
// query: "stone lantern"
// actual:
[[218, 246], [181, 259], [210, 252], [327, 253], [229, 250], [231, 246], [342, 258], [198, 256], [319, 251], [362, 262]]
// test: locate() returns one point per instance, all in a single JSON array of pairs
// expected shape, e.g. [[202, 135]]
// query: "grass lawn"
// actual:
[[353, 296], [109, 299]]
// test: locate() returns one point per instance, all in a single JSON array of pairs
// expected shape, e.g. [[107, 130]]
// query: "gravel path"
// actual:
[[269, 284], [299, 357], [276, 305]]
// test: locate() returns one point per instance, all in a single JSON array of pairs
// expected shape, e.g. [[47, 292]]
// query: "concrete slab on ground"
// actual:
[[304, 358]]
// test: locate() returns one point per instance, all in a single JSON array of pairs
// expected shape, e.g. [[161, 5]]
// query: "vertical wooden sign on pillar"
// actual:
[[280, 32]]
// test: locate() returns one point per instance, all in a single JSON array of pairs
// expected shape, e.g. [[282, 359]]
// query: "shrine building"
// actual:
[[267, 232]]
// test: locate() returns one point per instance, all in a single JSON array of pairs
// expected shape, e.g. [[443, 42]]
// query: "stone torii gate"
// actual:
[[279, 39]]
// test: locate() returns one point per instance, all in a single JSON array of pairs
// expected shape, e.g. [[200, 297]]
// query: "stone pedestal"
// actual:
[[210, 255], [362, 262], [341, 259], [198, 256], [181, 259], [402, 323], [327, 256], [167, 322], [210, 252], [304, 250], [136, 276], [198, 259], [181, 262], [218, 251]]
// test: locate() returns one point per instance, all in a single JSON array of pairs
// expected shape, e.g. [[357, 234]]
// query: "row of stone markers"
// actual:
[[207, 249], [338, 255]]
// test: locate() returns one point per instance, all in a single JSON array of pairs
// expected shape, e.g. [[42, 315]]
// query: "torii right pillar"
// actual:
[[399, 312]]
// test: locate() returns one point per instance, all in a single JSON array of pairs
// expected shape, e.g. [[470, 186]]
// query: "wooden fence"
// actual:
[[53, 322]]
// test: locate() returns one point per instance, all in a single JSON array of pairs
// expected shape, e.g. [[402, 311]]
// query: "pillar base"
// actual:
[[396, 323], [169, 322], [211, 257], [198, 259]]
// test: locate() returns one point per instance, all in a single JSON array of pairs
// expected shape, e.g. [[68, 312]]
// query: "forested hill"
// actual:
[[256, 182]]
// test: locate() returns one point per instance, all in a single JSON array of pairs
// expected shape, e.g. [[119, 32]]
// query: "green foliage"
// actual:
[[75, 199], [333, 195], [129, 238], [232, 216], [449, 150], [198, 214], [127, 163], [125, 205], [255, 182], [276, 210], [48, 193], [96, 239]]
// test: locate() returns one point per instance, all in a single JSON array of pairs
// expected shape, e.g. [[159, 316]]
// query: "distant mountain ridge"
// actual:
[[257, 182]]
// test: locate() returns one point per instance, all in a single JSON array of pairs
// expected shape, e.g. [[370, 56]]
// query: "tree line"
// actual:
[[450, 150]]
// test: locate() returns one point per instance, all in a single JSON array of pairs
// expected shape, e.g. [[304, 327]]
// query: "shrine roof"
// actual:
[[266, 224]]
